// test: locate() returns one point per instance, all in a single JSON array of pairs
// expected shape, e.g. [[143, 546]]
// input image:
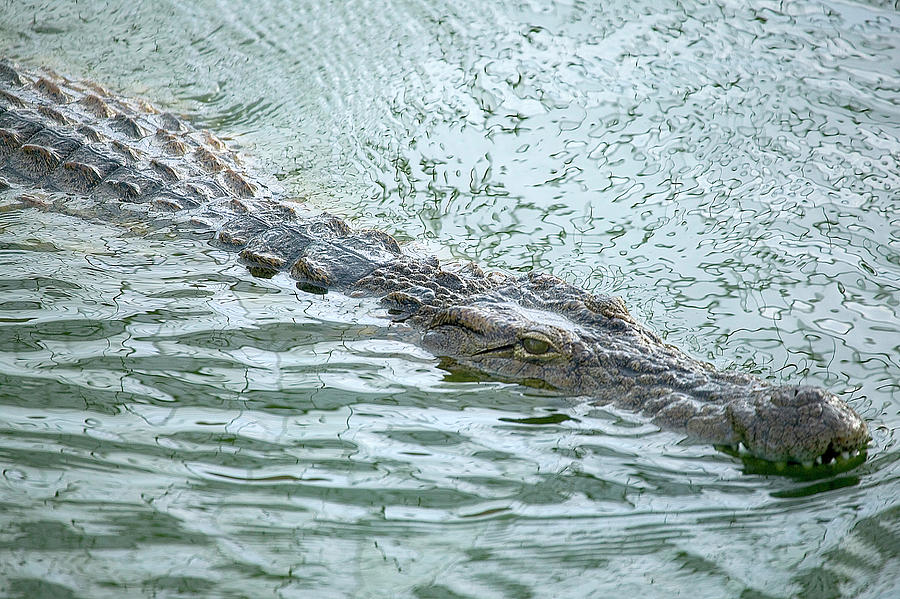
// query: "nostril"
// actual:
[[809, 395]]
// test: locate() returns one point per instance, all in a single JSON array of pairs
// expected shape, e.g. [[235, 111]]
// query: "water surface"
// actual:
[[172, 426]]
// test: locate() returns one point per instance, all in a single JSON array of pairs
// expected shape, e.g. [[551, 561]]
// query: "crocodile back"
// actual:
[[75, 140]]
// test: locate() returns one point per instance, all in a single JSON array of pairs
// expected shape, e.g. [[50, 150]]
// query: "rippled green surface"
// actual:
[[170, 426]]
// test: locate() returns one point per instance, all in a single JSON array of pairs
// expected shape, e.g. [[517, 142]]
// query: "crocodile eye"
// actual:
[[535, 346]]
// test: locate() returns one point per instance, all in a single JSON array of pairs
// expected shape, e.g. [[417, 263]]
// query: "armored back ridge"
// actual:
[[97, 155]]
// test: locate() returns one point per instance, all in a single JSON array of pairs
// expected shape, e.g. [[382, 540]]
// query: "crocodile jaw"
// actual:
[[797, 424]]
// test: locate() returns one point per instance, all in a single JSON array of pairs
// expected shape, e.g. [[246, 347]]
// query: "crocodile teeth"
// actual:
[[807, 464], [819, 461], [845, 455]]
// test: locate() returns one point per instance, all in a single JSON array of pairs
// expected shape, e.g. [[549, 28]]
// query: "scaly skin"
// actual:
[[102, 156]]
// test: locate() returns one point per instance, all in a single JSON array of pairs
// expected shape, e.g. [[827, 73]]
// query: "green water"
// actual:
[[172, 427]]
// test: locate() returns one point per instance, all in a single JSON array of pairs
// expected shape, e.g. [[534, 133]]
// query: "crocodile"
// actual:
[[72, 146]]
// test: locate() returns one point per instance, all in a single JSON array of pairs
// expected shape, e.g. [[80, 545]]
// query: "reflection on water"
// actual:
[[173, 427]]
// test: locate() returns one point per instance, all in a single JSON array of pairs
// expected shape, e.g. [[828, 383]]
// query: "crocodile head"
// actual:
[[543, 330]]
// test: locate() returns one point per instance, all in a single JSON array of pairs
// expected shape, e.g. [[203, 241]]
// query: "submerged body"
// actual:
[[98, 155]]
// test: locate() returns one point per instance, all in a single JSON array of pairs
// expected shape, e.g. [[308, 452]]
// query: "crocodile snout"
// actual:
[[798, 424]]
